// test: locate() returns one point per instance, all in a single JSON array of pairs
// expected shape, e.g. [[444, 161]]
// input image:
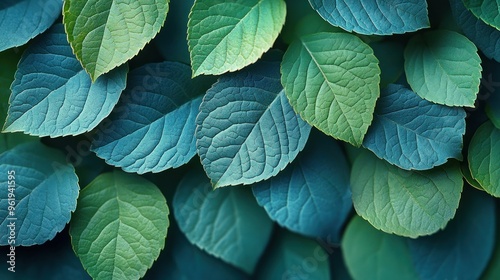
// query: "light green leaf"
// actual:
[[106, 33], [443, 67], [119, 226], [229, 35], [407, 203], [486, 10], [484, 163], [332, 81]]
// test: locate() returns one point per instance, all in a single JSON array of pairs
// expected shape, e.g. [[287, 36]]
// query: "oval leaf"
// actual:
[[246, 129], [153, 126], [413, 133], [53, 96], [229, 35], [41, 187], [487, 10], [407, 203], [443, 67], [119, 226], [22, 20], [332, 80], [106, 34], [374, 16]]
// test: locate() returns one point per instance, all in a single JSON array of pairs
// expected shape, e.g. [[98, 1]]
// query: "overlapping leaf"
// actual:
[[246, 129], [119, 226], [153, 126], [53, 96], [487, 10], [332, 80], [229, 35], [373, 16], [413, 133]]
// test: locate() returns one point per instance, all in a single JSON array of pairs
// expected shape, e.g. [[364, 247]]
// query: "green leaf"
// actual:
[[229, 35], [332, 81], [407, 203], [42, 188], [106, 34], [464, 167], [486, 10], [484, 165], [443, 67], [372, 254], [53, 96], [9, 60], [10, 140], [119, 226], [225, 222]]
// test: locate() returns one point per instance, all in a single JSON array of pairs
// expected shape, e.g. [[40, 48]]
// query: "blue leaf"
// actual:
[[468, 239], [44, 189], [413, 133], [312, 195], [152, 128], [247, 130], [21, 20], [53, 96], [374, 17]]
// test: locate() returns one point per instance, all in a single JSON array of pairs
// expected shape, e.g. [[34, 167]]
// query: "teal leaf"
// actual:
[[229, 35], [413, 133], [312, 195], [373, 16], [407, 203], [246, 129], [41, 187], [53, 96], [22, 20], [332, 81], [119, 226], [443, 67], [226, 222], [468, 239], [487, 10], [153, 126]]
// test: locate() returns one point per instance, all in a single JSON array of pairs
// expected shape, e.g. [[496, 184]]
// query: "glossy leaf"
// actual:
[[119, 226], [22, 20], [312, 195], [373, 16], [487, 10], [42, 188], [53, 96], [413, 133], [407, 203], [153, 126], [443, 67], [106, 34], [226, 223], [332, 81], [229, 35], [246, 129]]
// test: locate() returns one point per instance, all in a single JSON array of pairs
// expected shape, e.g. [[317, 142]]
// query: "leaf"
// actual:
[[9, 60], [106, 34], [464, 167], [42, 189], [152, 128], [312, 195], [485, 37], [22, 20], [487, 10], [10, 140], [468, 239], [229, 35], [119, 226], [226, 223], [332, 81], [443, 67], [246, 129], [413, 133], [372, 254], [407, 203], [53, 96], [292, 256], [373, 16], [483, 160], [390, 55]]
